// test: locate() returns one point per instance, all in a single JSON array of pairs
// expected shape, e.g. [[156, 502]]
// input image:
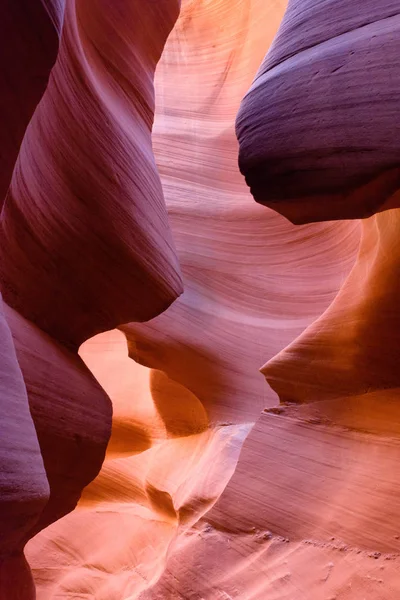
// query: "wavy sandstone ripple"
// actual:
[[85, 242], [207, 482], [318, 132]]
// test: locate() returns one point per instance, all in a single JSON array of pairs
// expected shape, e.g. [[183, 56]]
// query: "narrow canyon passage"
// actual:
[[248, 350]]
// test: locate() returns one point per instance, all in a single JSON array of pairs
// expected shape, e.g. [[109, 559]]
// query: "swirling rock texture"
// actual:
[[74, 221], [29, 41], [210, 488], [85, 245], [317, 140]]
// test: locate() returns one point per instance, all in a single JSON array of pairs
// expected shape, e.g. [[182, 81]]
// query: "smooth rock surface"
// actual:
[[252, 285], [71, 413], [85, 219], [24, 488], [29, 42], [318, 130], [215, 485], [84, 244], [352, 348]]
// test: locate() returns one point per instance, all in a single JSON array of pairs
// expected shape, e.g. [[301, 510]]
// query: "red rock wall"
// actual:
[[84, 245], [317, 129], [29, 42], [211, 480], [84, 219]]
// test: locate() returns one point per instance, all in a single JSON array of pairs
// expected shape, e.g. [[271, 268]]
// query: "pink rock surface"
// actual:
[[317, 130], [29, 41], [85, 243], [55, 428], [24, 489], [251, 286], [360, 356], [71, 413], [209, 488], [84, 218]]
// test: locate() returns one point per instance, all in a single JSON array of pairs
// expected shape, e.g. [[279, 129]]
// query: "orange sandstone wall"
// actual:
[[139, 244]]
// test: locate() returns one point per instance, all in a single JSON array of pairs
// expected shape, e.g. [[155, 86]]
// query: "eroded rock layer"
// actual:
[[29, 41], [318, 131], [251, 286], [24, 489], [85, 242], [360, 355], [209, 488], [71, 413], [84, 219]]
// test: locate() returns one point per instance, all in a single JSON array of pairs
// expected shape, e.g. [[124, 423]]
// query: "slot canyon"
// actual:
[[199, 384]]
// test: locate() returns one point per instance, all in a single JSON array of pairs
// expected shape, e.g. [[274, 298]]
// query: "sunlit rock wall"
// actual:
[[85, 243], [218, 480]]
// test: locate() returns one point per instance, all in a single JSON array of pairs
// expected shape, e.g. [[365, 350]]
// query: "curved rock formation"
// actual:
[[29, 41], [251, 286], [84, 245], [360, 356], [209, 488], [24, 489], [71, 413], [317, 130], [53, 446], [84, 219]]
